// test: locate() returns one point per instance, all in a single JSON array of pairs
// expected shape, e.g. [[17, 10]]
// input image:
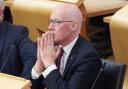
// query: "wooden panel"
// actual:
[[103, 7], [119, 35], [92, 8], [77, 2], [107, 19], [13, 82]]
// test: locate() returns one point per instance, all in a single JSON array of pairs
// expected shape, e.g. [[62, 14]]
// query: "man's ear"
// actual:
[[74, 26]]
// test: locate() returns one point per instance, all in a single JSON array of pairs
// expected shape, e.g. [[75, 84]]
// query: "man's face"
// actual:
[[1, 15], [61, 27]]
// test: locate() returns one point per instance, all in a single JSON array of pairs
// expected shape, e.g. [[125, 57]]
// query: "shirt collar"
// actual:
[[68, 48]]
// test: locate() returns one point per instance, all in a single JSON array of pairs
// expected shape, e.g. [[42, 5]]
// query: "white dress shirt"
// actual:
[[64, 58]]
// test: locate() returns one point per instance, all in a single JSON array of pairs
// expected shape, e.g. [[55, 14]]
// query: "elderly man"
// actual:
[[79, 63], [17, 52]]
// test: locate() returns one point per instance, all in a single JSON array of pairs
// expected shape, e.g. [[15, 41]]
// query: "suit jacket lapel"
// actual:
[[72, 57], [3, 33]]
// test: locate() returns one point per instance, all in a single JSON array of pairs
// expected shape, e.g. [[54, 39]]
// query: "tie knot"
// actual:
[[61, 51]]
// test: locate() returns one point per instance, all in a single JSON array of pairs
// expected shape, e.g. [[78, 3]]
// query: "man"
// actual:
[[7, 14], [17, 52], [80, 64]]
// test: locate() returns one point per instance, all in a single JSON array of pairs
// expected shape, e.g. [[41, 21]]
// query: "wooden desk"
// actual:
[[91, 8], [119, 34], [77, 2], [102, 7], [94, 8], [107, 19], [125, 85], [13, 82]]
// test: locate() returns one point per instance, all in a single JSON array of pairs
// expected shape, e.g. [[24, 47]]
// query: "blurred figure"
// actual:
[[7, 14], [79, 64], [17, 52]]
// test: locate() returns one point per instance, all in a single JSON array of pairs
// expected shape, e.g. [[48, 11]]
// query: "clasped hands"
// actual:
[[47, 53]]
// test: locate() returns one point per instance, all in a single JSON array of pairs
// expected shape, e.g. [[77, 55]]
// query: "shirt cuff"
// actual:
[[34, 75], [48, 70]]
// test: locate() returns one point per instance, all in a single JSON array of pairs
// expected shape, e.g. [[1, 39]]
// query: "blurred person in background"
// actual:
[[17, 52]]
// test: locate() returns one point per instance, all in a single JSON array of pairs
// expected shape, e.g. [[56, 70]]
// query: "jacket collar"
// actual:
[[72, 56]]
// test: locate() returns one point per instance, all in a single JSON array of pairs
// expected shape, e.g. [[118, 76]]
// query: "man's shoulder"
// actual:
[[84, 43], [85, 47], [13, 28], [15, 31], [16, 28]]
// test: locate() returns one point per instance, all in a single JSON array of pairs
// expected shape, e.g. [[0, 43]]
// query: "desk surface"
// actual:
[[94, 7], [13, 82], [103, 7], [77, 2]]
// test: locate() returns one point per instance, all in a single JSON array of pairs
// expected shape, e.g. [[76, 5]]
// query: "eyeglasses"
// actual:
[[55, 21]]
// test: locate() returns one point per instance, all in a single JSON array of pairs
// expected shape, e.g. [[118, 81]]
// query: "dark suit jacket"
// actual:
[[17, 52], [81, 70]]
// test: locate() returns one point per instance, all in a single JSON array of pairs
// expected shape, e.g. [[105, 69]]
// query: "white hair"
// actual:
[[2, 5]]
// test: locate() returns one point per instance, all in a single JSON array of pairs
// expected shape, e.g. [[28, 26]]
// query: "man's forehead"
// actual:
[[57, 15]]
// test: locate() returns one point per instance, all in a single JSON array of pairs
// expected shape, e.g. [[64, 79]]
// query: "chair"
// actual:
[[114, 74]]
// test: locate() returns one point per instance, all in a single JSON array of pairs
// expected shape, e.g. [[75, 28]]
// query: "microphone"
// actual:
[[9, 54], [101, 69]]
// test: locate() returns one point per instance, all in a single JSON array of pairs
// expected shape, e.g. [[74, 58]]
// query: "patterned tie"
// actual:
[[58, 60]]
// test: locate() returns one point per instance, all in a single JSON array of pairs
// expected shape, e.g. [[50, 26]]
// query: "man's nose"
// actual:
[[51, 26]]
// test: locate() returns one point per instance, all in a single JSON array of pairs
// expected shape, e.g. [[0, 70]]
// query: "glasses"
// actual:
[[55, 21]]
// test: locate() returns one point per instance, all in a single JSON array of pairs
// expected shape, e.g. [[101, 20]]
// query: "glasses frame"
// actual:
[[55, 21]]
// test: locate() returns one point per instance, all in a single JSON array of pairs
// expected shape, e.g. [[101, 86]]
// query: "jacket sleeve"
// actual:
[[81, 76]]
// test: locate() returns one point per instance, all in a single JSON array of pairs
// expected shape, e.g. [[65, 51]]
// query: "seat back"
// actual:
[[114, 74]]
